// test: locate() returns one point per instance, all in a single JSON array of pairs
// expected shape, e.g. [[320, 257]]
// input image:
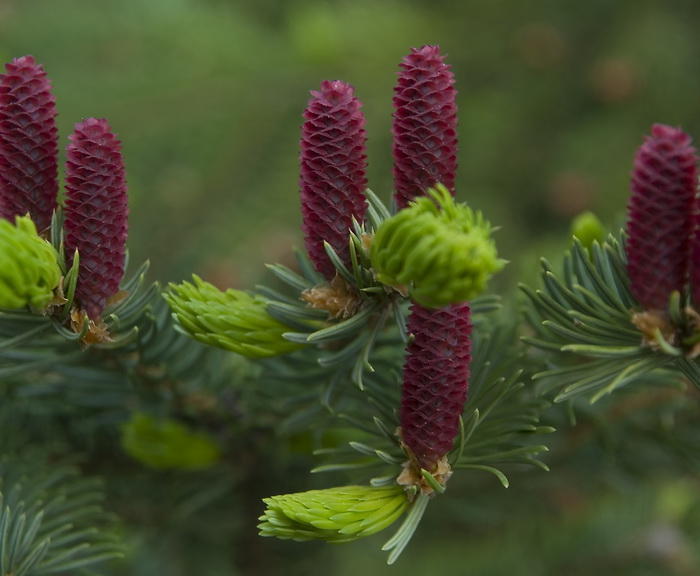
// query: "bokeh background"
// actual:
[[207, 96]]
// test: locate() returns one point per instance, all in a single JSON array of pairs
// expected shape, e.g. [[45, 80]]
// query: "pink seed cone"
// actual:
[[695, 257], [95, 212], [425, 125], [435, 380], [28, 143], [660, 216], [333, 166]]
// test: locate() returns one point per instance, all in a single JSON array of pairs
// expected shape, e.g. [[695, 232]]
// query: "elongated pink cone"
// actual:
[[661, 216], [435, 380], [28, 143], [695, 257], [333, 172], [95, 212], [425, 125]]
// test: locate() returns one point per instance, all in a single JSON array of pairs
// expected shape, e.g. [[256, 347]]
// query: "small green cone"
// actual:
[[233, 320], [442, 251], [167, 444], [29, 270], [336, 515], [588, 229]]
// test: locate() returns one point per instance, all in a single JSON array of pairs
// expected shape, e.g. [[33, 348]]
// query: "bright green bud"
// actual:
[[336, 515], [588, 229], [233, 320], [167, 444], [441, 251], [29, 270]]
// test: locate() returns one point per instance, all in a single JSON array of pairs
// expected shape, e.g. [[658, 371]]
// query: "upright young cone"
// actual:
[[28, 143], [333, 172], [435, 380], [425, 125], [660, 216], [95, 213]]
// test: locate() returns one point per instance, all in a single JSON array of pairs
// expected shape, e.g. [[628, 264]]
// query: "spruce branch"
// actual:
[[146, 364], [364, 354], [500, 420], [586, 314], [51, 517], [435, 253]]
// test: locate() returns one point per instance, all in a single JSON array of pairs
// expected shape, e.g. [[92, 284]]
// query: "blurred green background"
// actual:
[[207, 97], [554, 98]]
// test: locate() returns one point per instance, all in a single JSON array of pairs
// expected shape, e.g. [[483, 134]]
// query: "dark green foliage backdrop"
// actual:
[[554, 98]]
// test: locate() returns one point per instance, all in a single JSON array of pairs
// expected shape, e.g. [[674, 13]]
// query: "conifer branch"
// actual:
[[51, 517]]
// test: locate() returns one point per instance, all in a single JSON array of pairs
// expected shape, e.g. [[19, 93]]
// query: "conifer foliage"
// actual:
[[378, 351]]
